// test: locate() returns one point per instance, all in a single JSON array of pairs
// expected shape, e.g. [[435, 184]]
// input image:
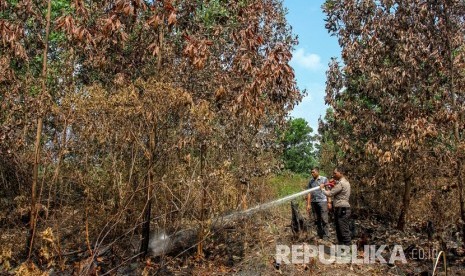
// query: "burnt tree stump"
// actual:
[[298, 223]]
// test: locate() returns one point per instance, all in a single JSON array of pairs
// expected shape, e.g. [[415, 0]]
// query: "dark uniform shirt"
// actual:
[[317, 196]]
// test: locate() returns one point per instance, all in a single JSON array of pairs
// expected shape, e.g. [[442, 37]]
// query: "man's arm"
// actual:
[[336, 189], [328, 197]]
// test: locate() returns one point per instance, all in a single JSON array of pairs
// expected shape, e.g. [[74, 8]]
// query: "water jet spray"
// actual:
[[161, 244]]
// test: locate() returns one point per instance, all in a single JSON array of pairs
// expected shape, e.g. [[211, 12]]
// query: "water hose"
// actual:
[[437, 260]]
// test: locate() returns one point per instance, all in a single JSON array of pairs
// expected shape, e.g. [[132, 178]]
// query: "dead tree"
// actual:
[[298, 223]]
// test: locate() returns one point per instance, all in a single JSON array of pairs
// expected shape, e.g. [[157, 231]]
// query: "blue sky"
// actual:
[[311, 57]]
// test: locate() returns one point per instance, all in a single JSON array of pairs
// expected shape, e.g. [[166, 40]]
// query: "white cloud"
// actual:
[[306, 60], [312, 106]]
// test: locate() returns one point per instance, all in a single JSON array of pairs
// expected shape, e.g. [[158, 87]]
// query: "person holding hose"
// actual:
[[318, 203], [340, 194]]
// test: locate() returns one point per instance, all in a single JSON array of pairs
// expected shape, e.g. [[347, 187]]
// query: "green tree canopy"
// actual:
[[299, 153]]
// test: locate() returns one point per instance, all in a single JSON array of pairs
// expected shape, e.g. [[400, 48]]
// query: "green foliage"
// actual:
[[212, 11], [56, 37], [299, 153], [60, 8], [288, 183]]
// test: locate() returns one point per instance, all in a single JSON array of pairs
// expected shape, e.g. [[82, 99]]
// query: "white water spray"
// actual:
[[264, 206], [160, 243]]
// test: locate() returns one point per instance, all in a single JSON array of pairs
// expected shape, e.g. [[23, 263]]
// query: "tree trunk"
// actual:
[[144, 246], [461, 200], [201, 233], [33, 211], [406, 203], [40, 122]]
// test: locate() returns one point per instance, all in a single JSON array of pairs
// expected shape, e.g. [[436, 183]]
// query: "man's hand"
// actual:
[[331, 183], [322, 186], [330, 206], [309, 208]]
